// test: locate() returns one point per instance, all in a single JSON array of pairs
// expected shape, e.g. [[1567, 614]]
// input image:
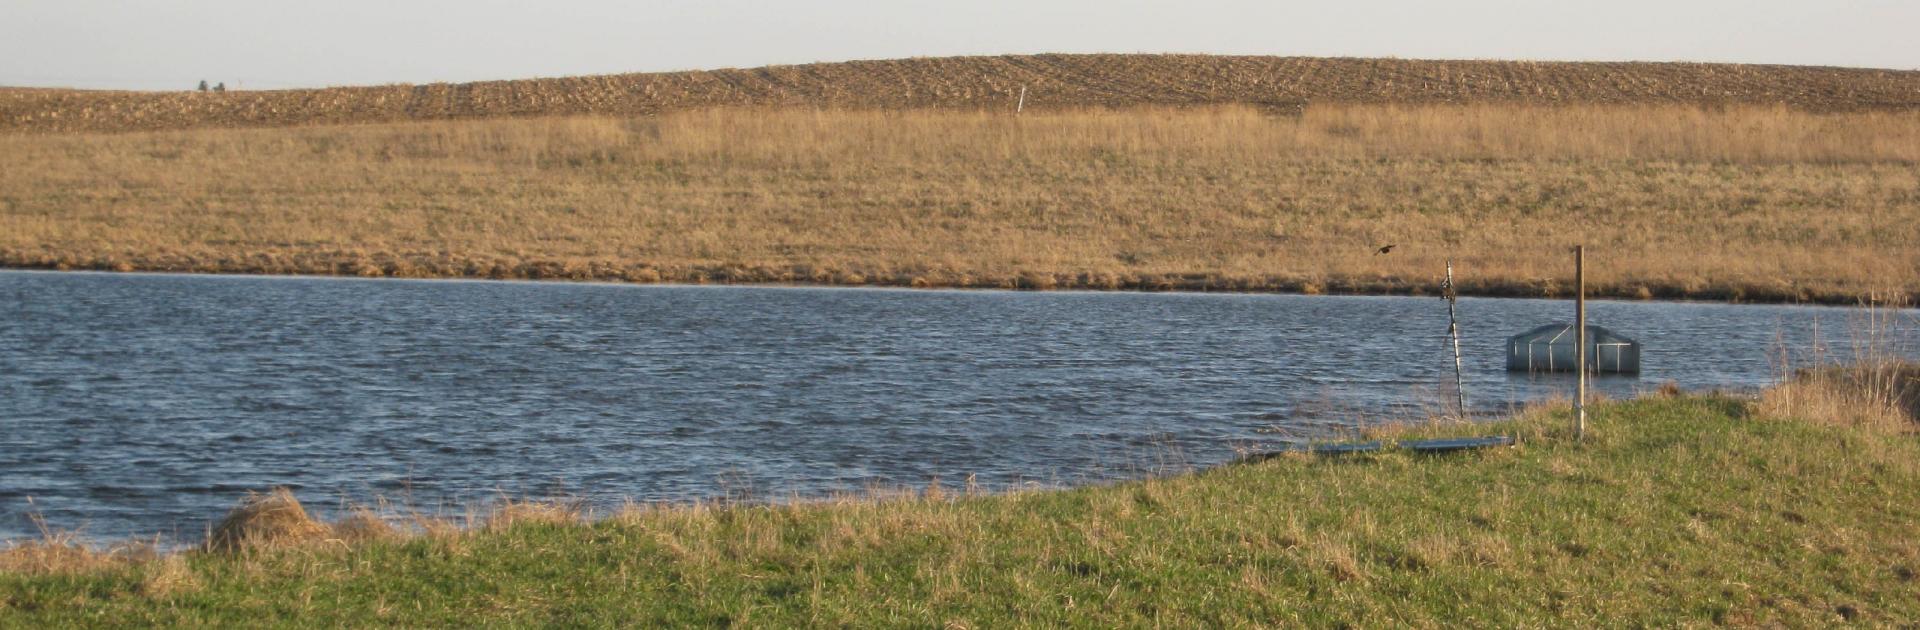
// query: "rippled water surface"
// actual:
[[144, 404]]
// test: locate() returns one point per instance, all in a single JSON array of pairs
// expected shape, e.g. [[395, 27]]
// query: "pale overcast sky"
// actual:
[[159, 44]]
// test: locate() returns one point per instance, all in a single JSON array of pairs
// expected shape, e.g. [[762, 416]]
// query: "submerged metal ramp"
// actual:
[[1450, 445], [1550, 348], [1444, 445], [1317, 448]]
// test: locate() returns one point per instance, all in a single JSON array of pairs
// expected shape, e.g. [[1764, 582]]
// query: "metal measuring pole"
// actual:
[[1580, 342], [1453, 330]]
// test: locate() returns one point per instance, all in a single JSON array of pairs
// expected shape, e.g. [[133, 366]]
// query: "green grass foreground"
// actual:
[[1676, 511]]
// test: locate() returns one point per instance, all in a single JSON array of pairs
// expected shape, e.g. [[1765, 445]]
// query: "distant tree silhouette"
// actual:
[[203, 85], [222, 87]]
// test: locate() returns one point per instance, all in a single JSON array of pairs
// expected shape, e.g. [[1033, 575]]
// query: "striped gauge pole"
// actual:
[[1453, 330]]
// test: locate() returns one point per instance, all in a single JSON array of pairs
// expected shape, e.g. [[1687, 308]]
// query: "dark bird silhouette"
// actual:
[[1385, 250]]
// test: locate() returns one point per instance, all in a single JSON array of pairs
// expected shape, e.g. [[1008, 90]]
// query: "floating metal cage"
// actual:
[[1549, 348]]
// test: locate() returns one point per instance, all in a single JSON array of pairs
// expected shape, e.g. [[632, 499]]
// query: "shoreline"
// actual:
[[1370, 539], [804, 277], [323, 507]]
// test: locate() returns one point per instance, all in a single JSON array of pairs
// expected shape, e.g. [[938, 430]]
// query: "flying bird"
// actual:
[[1385, 250]]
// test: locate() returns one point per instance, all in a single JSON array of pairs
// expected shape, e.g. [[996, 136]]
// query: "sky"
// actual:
[[269, 44]]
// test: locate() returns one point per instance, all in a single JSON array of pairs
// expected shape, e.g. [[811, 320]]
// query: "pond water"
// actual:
[[135, 404]]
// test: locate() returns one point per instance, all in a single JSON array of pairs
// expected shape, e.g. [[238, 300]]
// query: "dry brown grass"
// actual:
[[262, 519], [276, 521], [362, 525], [64, 552], [66, 555], [272, 520], [1882, 395], [1053, 82], [168, 576], [1867, 382], [58, 552], [1734, 203], [509, 512]]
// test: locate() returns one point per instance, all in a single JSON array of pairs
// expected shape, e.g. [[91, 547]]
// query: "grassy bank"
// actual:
[[1675, 511], [1676, 202]]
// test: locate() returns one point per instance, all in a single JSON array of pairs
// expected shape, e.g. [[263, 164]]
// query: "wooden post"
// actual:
[[1453, 330], [1022, 105], [1580, 342]]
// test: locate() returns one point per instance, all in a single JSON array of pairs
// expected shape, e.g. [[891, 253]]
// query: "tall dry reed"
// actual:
[[1868, 382]]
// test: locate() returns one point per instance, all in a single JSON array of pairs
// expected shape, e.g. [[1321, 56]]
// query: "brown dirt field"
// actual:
[[1054, 82]]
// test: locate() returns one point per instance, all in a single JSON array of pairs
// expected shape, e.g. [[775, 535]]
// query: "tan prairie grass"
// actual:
[[1867, 379], [1883, 396], [1735, 203], [363, 525], [66, 553], [1051, 82], [510, 512], [58, 551]]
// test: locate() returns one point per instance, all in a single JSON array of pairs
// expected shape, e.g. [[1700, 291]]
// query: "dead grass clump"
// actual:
[[363, 525], [168, 576], [1434, 551], [64, 552], [1882, 395], [272, 518], [509, 513], [1488, 550], [1337, 559], [65, 555]]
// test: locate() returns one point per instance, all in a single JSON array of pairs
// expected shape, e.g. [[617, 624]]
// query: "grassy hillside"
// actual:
[[1053, 82], [1686, 511], [1745, 203]]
